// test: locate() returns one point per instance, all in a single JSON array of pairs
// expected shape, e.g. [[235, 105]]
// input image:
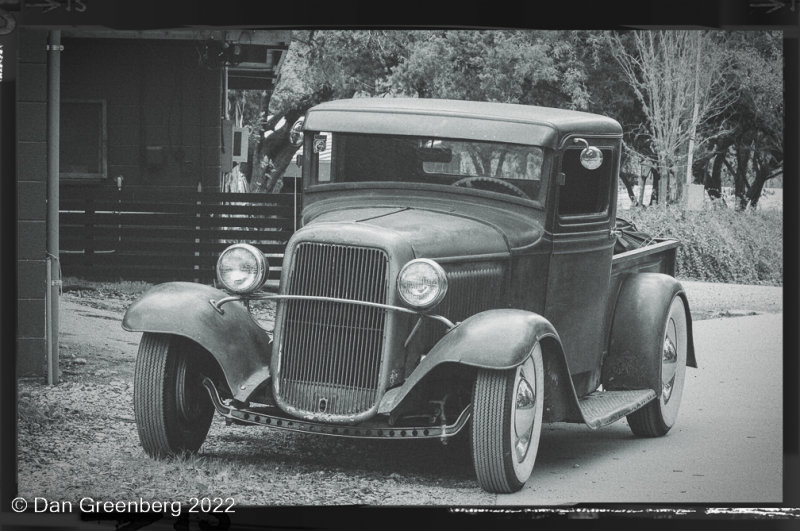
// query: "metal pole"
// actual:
[[53, 141], [225, 92], [695, 111], [294, 210]]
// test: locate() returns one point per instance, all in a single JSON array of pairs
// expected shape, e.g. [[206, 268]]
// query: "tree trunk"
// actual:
[[754, 193], [762, 176], [740, 182], [274, 154], [642, 182], [627, 180], [713, 181], [656, 187]]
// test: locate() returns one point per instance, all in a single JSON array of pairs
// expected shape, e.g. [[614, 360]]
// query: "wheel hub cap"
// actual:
[[524, 414], [669, 363]]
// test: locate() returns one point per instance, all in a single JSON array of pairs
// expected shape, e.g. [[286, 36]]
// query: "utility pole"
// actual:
[[695, 112]]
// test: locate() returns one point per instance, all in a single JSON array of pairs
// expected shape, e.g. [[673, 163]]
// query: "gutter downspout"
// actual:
[[53, 290]]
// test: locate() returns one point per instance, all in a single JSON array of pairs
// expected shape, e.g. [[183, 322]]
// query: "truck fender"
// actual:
[[496, 340], [240, 346], [638, 322]]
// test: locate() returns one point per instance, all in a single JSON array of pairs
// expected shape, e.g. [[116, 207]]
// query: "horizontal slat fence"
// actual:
[[161, 235]]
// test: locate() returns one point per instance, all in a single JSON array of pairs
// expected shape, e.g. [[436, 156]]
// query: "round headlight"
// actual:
[[242, 268], [422, 283]]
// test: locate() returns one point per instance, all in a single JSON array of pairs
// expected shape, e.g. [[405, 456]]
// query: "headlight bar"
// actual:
[[217, 304]]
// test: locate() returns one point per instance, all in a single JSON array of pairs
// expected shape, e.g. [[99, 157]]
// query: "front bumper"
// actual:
[[375, 428]]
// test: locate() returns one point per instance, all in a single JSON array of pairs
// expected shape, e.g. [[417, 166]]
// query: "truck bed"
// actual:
[[657, 257]]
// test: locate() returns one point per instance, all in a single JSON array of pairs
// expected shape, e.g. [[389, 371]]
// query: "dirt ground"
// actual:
[[78, 438]]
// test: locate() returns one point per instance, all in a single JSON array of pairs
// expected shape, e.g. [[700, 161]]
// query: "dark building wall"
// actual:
[[31, 201], [158, 95]]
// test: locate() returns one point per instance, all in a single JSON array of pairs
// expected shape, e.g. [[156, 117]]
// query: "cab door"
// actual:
[[580, 263]]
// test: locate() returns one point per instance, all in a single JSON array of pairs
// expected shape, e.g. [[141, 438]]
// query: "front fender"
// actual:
[[239, 345], [494, 339]]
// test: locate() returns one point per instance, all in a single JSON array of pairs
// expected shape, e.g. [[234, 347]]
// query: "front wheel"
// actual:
[[507, 408], [656, 418], [172, 409]]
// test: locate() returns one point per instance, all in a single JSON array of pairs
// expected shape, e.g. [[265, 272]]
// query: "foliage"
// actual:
[[719, 245], [531, 67]]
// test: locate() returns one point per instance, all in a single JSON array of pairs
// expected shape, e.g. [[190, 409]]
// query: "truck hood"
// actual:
[[434, 234]]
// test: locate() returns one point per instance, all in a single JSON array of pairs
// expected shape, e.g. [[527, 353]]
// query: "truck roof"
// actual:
[[501, 122]]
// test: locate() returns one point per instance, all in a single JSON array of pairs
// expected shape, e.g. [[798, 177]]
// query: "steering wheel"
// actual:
[[467, 182]]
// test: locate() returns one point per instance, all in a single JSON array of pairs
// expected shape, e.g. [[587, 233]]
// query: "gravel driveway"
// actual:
[[78, 438], [710, 300]]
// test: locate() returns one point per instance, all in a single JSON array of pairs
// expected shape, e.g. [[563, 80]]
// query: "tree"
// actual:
[[530, 67], [679, 91], [610, 94], [753, 142]]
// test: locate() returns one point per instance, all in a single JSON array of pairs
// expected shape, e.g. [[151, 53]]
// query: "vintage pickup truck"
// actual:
[[459, 267]]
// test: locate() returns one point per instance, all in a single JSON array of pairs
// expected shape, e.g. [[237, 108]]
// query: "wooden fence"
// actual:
[[160, 235]]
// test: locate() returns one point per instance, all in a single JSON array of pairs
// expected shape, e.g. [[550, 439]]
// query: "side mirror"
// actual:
[[296, 133], [591, 156]]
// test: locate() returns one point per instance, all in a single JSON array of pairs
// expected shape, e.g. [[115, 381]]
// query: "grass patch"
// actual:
[[719, 245], [78, 439], [123, 288]]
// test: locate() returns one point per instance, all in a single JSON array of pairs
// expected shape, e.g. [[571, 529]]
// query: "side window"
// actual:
[[584, 192]]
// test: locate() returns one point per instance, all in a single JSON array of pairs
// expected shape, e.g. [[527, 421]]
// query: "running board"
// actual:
[[601, 408]]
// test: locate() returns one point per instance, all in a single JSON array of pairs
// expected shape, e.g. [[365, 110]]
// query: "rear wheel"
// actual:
[[172, 408], [507, 409], [656, 418]]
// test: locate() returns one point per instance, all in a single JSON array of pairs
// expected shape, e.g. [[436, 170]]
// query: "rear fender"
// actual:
[[497, 340], [633, 360], [233, 338]]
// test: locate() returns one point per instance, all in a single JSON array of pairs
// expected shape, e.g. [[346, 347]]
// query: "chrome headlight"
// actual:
[[422, 283], [242, 268]]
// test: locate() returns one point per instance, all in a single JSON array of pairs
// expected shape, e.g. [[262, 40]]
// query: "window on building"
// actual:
[[82, 152]]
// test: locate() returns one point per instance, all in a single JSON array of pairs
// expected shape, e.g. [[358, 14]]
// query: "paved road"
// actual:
[[725, 448]]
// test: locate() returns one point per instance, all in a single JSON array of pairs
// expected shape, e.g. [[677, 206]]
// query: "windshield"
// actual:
[[513, 169]]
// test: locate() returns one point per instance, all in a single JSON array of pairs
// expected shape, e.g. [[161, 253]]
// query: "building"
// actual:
[[101, 108]]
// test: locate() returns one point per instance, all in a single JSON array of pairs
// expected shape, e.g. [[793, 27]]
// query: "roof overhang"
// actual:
[[277, 38]]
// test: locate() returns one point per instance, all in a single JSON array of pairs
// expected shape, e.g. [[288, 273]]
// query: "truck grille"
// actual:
[[331, 352]]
